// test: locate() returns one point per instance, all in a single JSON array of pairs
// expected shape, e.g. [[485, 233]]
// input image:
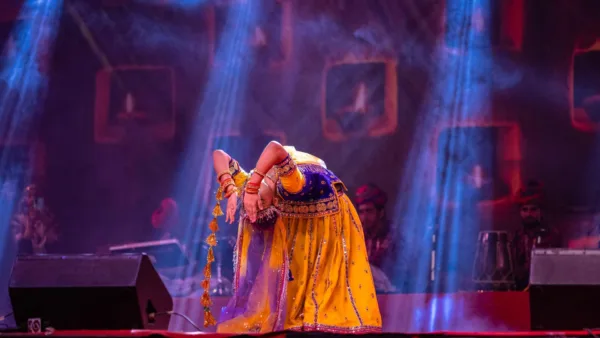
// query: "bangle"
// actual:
[[226, 186], [231, 192], [253, 185], [286, 167], [221, 174], [252, 188], [226, 182], [259, 173]]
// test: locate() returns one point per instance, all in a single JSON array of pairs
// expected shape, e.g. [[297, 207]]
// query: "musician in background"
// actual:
[[179, 280], [165, 218], [379, 238], [535, 231], [33, 225]]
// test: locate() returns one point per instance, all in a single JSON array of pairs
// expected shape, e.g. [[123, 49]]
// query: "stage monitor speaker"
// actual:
[[564, 289], [88, 292]]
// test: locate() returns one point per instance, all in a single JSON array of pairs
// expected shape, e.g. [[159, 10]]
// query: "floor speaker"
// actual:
[[564, 289], [88, 292]]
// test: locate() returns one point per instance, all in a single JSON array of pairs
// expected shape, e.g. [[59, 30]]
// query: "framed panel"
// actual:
[[483, 160], [584, 88], [134, 101], [271, 36], [359, 99]]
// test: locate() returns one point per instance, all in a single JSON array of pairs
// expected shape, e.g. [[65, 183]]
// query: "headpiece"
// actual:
[[531, 193], [370, 193]]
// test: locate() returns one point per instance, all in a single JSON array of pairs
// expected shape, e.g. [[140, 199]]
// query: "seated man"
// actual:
[[379, 238], [534, 233]]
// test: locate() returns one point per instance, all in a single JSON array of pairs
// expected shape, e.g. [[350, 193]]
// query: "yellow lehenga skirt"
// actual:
[[313, 275]]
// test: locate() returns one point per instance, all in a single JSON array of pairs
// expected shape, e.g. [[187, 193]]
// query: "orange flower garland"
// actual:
[[211, 240]]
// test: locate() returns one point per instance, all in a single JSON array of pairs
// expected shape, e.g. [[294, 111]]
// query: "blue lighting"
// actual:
[[436, 199], [218, 114]]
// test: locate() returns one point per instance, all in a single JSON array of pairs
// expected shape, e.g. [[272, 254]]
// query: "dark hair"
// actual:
[[265, 219]]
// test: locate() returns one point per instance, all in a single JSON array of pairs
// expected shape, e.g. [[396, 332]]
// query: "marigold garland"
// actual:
[[211, 240]]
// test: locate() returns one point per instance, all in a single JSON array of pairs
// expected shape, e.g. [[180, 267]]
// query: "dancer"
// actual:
[[301, 261]]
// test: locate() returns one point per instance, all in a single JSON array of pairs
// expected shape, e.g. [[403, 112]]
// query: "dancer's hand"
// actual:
[[231, 207], [252, 203]]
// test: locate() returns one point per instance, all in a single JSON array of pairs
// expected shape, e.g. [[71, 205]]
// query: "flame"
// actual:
[[360, 100], [129, 103], [477, 176]]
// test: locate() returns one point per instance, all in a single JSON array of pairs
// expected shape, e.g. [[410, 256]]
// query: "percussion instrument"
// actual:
[[493, 268]]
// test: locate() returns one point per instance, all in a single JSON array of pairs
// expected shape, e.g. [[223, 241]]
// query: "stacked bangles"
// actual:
[[227, 184], [253, 187]]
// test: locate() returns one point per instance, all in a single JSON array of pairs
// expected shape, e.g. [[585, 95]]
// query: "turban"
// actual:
[[532, 193], [167, 214], [370, 193]]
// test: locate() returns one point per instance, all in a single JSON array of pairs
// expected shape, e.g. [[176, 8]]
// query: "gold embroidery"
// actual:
[[301, 209], [345, 247], [314, 293], [335, 228], [237, 173], [337, 329], [293, 244], [353, 220], [286, 167]]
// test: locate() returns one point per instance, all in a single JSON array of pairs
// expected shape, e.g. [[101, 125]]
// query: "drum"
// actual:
[[493, 268]]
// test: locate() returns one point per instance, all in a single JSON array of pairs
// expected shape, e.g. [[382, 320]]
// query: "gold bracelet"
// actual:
[[257, 172], [286, 167]]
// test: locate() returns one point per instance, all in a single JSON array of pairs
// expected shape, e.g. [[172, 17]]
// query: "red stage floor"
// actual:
[[456, 312], [167, 334], [468, 314]]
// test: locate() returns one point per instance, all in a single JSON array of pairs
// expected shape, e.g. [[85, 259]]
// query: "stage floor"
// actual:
[[427, 313], [168, 334]]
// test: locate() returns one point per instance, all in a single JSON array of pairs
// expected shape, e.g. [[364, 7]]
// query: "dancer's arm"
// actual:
[[291, 178], [222, 163], [228, 168], [276, 155]]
